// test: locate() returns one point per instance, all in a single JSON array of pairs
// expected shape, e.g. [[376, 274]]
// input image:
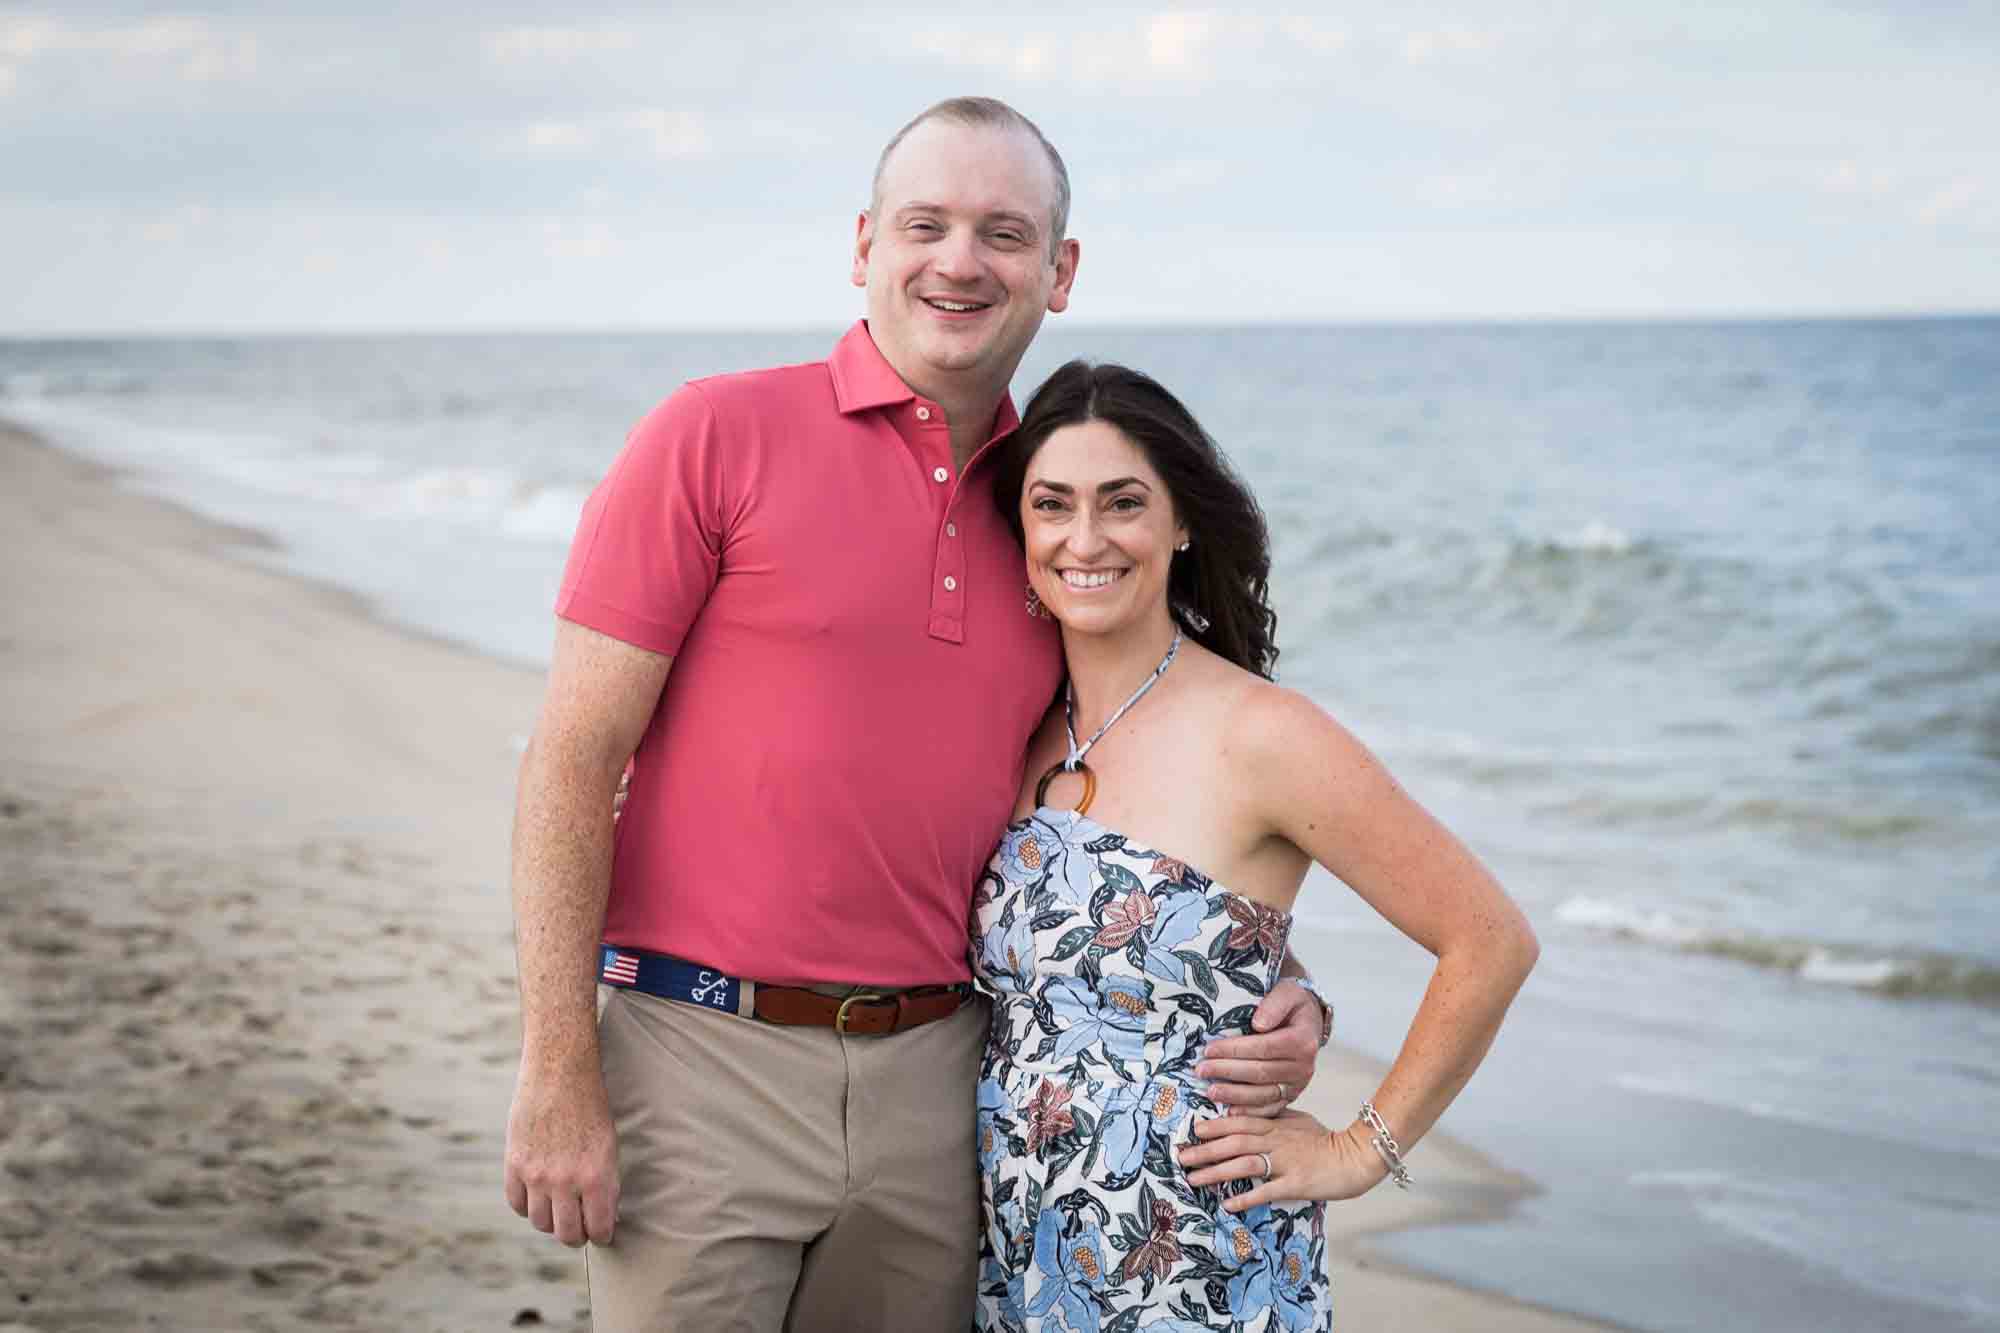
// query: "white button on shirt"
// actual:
[[951, 529], [923, 414], [950, 583], [940, 475]]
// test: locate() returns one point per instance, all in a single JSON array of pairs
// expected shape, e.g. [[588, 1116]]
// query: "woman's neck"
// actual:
[[1104, 669]]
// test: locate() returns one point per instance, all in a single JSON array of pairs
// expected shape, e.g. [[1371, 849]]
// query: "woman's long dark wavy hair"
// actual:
[[1218, 587]]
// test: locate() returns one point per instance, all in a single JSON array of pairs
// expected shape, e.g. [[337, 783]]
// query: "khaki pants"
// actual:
[[787, 1177]]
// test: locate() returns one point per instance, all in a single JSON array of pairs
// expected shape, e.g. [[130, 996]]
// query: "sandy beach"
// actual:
[[257, 1017]]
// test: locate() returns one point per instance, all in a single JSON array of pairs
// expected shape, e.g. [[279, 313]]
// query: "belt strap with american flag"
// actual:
[[854, 1011], [673, 978]]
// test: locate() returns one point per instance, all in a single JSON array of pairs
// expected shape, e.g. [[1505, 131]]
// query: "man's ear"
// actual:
[[864, 239], [1066, 257]]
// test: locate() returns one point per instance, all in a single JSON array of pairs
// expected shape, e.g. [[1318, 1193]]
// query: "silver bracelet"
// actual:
[[1385, 1145]]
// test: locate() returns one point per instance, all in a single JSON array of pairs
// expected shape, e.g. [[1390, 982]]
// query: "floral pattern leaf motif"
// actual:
[[1072, 941], [1198, 968], [1246, 981], [1118, 878]]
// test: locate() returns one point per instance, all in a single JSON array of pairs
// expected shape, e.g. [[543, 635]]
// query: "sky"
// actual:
[[272, 167]]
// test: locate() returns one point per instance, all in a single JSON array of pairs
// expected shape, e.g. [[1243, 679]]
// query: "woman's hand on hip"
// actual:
[[1307, 1161]]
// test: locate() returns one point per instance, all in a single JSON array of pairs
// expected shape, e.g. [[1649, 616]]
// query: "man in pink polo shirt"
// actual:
[[793, 604]]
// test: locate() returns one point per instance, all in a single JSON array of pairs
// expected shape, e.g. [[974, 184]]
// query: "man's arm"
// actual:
[[1265, 1071], [562, 1152]]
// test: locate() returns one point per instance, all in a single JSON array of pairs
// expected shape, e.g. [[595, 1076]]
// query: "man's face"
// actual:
[[956, 258]]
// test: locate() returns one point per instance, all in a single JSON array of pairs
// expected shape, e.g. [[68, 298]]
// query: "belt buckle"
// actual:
[[859, 997]]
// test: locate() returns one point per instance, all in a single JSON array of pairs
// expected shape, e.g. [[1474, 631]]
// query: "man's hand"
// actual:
[[1260, 1074], [562, 1157]]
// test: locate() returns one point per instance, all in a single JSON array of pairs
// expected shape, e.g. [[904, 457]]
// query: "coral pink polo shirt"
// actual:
[[855, 676]]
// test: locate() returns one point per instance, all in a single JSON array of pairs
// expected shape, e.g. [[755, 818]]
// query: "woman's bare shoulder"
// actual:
[[1287, 741]]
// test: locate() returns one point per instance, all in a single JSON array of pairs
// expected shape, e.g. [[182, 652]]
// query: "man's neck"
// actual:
[[970, 410]]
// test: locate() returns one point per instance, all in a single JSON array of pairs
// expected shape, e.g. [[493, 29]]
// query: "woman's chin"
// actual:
[[1097, 620]]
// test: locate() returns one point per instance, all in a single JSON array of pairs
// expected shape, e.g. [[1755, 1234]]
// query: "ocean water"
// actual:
[[1692, 631]]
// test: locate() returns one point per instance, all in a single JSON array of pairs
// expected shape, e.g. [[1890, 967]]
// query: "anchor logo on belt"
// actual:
[[711, 988]]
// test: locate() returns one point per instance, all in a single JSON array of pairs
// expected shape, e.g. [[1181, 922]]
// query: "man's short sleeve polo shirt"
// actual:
[[855, 679]]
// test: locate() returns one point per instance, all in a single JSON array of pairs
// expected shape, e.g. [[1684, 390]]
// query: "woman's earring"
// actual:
[[1183, 546], [1194, 619], [1035, 607]]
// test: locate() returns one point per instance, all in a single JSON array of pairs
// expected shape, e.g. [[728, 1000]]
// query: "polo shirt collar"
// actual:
[[863, 379], [862, 376]]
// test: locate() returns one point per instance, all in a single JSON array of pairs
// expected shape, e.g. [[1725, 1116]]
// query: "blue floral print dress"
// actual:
[[1111, 966]]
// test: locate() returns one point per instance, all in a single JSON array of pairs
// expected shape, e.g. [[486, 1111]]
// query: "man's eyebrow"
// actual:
[[1021, 220], [1007, 215]]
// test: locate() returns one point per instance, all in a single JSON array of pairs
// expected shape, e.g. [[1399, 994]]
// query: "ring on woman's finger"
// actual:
[[1284, 1093], [1267, 1165]]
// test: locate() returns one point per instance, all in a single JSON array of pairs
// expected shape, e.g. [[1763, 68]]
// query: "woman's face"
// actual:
[[1100, 530]]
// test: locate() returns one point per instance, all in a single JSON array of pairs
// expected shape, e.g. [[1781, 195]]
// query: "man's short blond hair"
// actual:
[[994, 114]]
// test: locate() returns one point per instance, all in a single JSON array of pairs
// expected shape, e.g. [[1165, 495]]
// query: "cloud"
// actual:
[[1512, 179], [23, 38], [1851, 178], [578, 238], [1182, 176], [174, 227], [193, 49], [659, 131], [1312, 34], [554, 134], [1950, 203], [549, 44], [1428, 44], [672, 133], [1175, 49], [1175, 42]]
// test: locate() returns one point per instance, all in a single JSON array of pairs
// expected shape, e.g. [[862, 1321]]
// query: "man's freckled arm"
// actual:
[[601, 696]]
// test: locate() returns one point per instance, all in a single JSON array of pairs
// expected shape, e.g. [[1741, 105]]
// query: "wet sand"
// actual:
[[257, 1018]]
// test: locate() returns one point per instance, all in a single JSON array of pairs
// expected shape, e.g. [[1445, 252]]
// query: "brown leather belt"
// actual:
[[863, 1013]]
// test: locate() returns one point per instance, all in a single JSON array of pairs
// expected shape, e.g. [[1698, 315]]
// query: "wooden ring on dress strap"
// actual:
[[1089, 786]]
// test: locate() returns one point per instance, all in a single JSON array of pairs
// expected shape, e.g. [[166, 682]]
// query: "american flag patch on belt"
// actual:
[[672, 978]]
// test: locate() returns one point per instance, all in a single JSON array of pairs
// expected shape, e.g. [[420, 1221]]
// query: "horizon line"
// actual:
[[1122, 324]]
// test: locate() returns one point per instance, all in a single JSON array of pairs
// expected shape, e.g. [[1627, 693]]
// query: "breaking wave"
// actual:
[[1901, 976]]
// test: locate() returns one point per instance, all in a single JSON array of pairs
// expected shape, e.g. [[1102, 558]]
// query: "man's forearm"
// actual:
[[561, 879]]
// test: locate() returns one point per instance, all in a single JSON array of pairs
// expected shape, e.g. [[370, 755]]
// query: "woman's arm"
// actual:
[[1323, 790]]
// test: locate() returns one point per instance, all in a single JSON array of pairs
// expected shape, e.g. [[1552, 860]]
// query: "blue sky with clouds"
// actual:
[[296, 168]]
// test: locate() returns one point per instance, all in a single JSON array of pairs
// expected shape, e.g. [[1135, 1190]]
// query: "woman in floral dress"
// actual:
[[1139, 904]]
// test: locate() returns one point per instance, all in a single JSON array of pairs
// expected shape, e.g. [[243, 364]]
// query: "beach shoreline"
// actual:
[[259, 1055]]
